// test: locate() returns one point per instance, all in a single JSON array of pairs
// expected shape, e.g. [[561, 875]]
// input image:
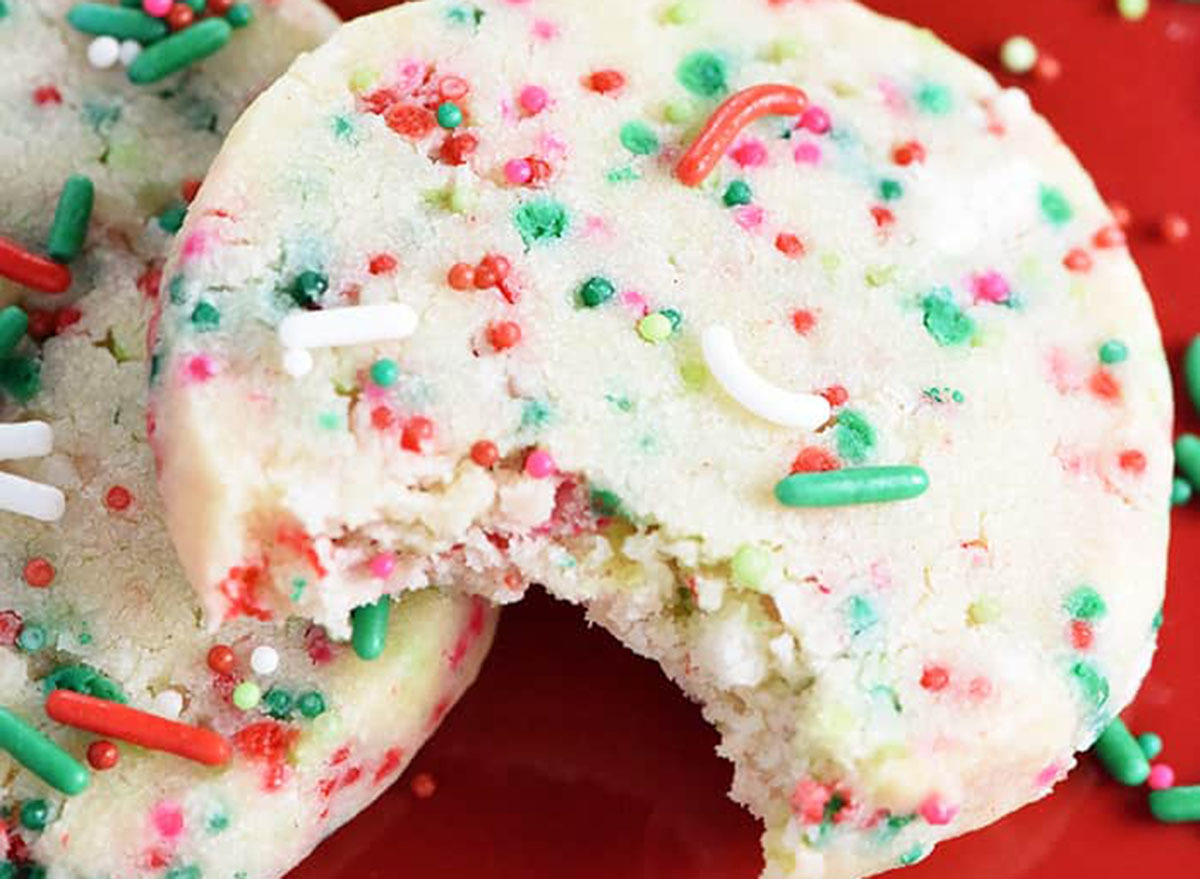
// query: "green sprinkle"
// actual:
[[13, 324], [180, 50], [1121, 754], [311, 704], [299, 584], [307, 287], [278, 703], [935, 99], [1176, 804], [863, 485], [3, 8], [890, 828], [639, 139], [449, 115], [622, 175], [1092, 685], [605, 503], [1055, 206], [674, 316], [737, 193], [855, 436], [1181, 491], [704, 74], [594, 292], [1085, 603], [32, 638], [35, 814], [890, 190], [1156, 623], [534, 413], [218, 822], [1191, 371], [205, 317], [1187, 458], [84, 679], [384, 372], [1151, 744], [329, 420], [945, 321], [191, 871], [655, 327], [239, 15], [370, 628], [40, 755], [102, 20], [679, 111], [982, 611], [541, 219], [750, 566], [171, 220], [860, 614], [918, 852], [246, 695], [1116, 351], [71, 217], [21, 377]]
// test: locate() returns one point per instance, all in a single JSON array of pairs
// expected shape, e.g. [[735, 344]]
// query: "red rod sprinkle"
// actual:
[[30, 270]]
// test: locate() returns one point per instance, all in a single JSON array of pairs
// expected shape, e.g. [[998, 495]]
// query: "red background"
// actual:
[[573, 759]]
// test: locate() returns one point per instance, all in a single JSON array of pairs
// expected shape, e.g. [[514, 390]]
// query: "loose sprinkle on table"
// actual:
[[1121, 754], [1018, 55], [1176, 804]]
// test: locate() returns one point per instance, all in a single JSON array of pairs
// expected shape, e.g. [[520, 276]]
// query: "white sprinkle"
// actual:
[[130, 49], [29, 498], [353, 325], [297, 361], [26, 439], [725, 363], [103, 52], [264, 660], [169, 704]]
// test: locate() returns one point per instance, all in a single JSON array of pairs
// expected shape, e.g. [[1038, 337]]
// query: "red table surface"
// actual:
[[574, 759]]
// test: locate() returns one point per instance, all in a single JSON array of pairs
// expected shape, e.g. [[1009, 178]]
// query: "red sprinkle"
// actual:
[[219, 7], [28, 269], [417, 434], [836, 395], [882, 217], [103, 755], [118, 498], [39, 572], [485, 454], [461, 276], [137, 727], [46, 94], [935, 678], [907, 153], [10, 627], [504, 335], [1104, 385], [814, 459], [382, 418], [66, 317], [1048, 68], [452, 88], [424, 785], [789, 245], [180, 17], [382, 264], [1174, 228], [1108, 237], [221, 659], [1078, 260], [1133, 461], [1121, 214], [457, 147], [605, 81], [492, 269], [41, 324], [803, 320], [1082, 635], [191, 187], [410, 120]]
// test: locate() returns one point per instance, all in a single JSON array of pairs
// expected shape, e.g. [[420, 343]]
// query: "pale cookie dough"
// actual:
[[917, 246]]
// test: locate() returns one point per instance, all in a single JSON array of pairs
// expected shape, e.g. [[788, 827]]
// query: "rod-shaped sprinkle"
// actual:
[[103, 20], [18, 264], [767, 401], [13, 324], [1191, 371], [119, 721], [28, 498], [1176, 804], [370, 628], [71, 218], [180, 50], [41, 756], [1121, 754], [352, 325], [25, 439], [729, 120], [860, 485], [1187, 458]]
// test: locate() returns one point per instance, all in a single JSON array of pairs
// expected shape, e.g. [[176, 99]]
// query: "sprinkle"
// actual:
[[382, 565], [737, 193], [934, 678], [239, 15], [157, 8], [103, 755], [423, 786], [264, 660], [503, 335], [485, 454], [179, 50], [729, 120], [32, 638], [1048, 67], [1055, 206], [638, 138], [246, 695], [603, 82], [29, 270], [1121, 755], [540, 220], [655, 327], [449, 115], [937, 811], [864, 485], [1018, 55], [1161, 777], [1176, 804], [169, 703], [725, 363], [948, 324], [34, 814], [39, 573], [25, 439], [129, 51], [1174, 228], [384, 372], [310, 704], [40, 755], [370, 628], [353, 325], [103, 20], [28, 498], [1085, 603], [416, 434], [789, 245], [539, 464], [533, 100], [71, 217], [118, 498], [597, 290], [1151, 744], [704, 74], [297, 362], [908, 153], [461, 276], [181, 16], [1187, 458], [1133, 10], [1114, 351], [221, 659], [750, 566]]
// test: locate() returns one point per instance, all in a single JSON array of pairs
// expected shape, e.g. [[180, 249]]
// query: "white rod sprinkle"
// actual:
[[28, 498], [25, 439], [353, 325], [767, 401]]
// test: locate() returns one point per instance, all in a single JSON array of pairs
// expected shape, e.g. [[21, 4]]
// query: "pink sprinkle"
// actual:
[[750, 154], [539, 464], [807, 154], [1161, 777], [545, 30], [937, 811], [808, 801], [533, 99], [749, 216], [195, 245], [382, 565], [892, 95], [201, 368], [634, 301], [518, 172], [816, 120], [1048, 776], [157, 8], [990, 287], [168, 819]]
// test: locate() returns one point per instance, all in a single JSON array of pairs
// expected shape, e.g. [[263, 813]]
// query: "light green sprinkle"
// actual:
[[935, 99], [1133, 10], [1018, 55], [679, 112], [541, 220], [655, 327], [750, 566], [246, 695], [681, 12]]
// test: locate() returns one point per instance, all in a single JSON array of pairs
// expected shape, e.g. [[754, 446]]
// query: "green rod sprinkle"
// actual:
[[1176, 804], [1191, 371], [1187, 457], [179, 50], [71, 217], [40, 755], [102, 20], [13, 324], [860, 485], [1121, 754], [370, 625]]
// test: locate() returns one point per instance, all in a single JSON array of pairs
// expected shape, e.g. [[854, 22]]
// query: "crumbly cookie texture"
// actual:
[[97, 601], [917, 246]]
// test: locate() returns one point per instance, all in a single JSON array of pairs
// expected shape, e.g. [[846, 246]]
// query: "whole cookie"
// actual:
[[306, 733], [633, 300]]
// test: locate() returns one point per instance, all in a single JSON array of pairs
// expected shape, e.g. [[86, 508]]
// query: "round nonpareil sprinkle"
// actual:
[[1133, 10], [221, 659], [26, 439], [41, 756], [32, 499], [1174, 228], [38, 572], [752, 391], [297, 362], [129, 51], [169, 703], [862, 485], [539, 464], [369, 625], [1161, 777], [353, 325], [1151, 744], [103, 755], [246, 695], [1018, 55], [1121, 754], [264, 660]]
